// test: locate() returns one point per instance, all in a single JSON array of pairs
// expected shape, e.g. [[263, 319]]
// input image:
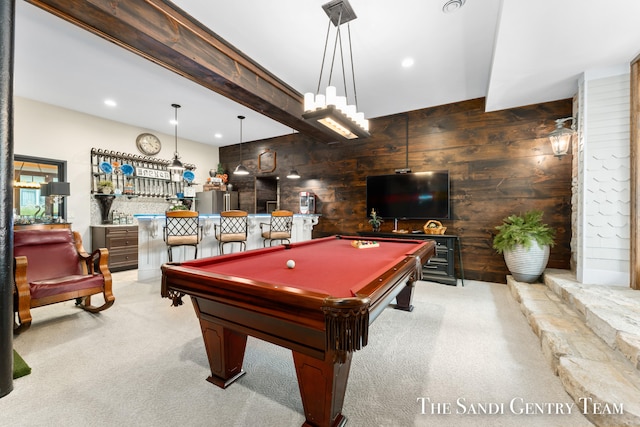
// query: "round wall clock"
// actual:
[[148, 144]]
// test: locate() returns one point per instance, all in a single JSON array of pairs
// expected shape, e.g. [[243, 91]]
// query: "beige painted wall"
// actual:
[[43, 130]]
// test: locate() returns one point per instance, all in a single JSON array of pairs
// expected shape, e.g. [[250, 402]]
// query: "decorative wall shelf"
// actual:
[[134, 175]]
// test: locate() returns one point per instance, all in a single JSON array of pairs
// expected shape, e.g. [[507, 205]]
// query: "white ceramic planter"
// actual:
[[526, 265]]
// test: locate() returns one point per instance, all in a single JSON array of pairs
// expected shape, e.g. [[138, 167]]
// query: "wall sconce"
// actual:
[[561, 137]]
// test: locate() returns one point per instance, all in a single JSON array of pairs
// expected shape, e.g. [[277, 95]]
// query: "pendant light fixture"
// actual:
[[328, 110], [176, 165], [240, 169], [293, 174]]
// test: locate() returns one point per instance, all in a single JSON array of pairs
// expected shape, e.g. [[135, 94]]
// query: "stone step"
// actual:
[[611, 312], [603, 382]]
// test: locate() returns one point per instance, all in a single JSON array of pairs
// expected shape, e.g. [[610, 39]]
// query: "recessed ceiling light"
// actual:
[[452, 5], [110, 103], [217, 135], [407, 62], [173, 122]]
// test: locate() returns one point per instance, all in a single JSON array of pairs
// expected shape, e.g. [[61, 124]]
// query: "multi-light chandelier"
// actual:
[[329, 110]]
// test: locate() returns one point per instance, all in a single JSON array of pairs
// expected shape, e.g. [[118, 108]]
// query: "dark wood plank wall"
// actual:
[[499, 162]]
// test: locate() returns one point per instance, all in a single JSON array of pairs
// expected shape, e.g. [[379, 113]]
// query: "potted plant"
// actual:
[[375, 220], [525, 241], [105, 187], [178, 207]]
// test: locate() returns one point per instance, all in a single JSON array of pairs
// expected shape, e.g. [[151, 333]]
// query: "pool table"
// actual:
[[321, 308]]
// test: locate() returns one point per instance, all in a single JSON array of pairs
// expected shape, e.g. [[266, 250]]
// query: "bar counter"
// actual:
[[152, 250]]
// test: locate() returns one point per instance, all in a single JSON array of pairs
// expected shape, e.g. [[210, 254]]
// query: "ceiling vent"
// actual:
[[452, 5]]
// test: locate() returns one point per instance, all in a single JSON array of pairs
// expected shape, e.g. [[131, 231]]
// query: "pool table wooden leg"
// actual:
[[322, 386], [405, 297], [225, 350]]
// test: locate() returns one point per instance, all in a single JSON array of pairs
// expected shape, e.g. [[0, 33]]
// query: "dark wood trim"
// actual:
[[62, 175], [166, 35]]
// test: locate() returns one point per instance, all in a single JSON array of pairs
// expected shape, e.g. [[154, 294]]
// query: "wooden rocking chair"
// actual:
[[52, 266]]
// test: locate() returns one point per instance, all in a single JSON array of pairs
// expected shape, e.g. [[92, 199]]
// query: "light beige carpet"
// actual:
[[142, 363]]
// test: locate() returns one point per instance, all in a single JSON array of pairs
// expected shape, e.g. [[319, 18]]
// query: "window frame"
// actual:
[[61, 176]]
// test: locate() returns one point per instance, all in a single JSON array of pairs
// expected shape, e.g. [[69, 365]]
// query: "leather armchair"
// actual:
[[52, 266]]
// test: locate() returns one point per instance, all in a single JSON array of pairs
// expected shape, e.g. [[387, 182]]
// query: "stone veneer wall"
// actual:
[[576, 154], [601, 235]]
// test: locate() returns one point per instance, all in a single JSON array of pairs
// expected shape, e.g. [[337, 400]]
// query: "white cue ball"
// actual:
[[291, 263]]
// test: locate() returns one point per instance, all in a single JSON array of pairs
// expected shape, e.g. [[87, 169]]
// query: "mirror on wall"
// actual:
[[30, 205], [267, 194]]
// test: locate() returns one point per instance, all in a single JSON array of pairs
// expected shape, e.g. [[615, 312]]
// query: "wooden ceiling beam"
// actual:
[[163, 33]]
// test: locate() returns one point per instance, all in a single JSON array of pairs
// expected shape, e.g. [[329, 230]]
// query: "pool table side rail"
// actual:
[[296, 336], [411, 265], [285, 317], [278, 300]]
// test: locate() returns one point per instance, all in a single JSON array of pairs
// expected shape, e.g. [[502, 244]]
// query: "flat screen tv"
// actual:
[[422, 195]]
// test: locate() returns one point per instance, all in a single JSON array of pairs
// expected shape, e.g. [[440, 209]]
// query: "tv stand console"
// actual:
[[441, 268]]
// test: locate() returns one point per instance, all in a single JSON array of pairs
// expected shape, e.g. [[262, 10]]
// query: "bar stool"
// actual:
[[279, 228], [182, 228], [232, 229]]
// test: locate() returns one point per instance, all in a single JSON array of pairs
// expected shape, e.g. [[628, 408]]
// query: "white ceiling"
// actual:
[[513, 52]]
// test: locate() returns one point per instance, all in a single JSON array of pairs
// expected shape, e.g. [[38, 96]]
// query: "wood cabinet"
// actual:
[[441, 267], [122, 243]]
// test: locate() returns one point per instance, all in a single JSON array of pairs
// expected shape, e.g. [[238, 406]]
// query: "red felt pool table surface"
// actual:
[[330, 265]]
